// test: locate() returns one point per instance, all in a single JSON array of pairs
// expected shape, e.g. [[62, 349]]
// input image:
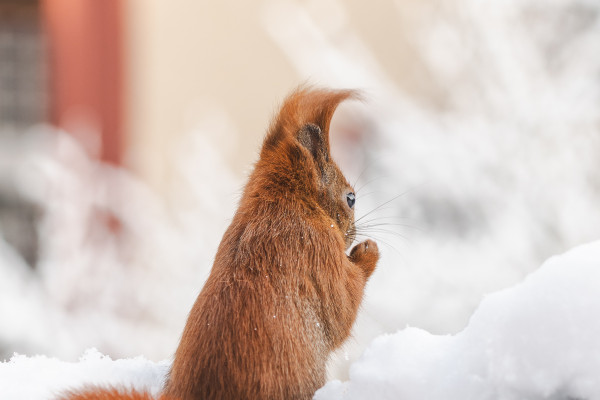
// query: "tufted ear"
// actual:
[[304, 110], [311, 137]]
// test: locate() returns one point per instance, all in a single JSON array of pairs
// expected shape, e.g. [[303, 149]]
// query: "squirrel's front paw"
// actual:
[[365, 255]]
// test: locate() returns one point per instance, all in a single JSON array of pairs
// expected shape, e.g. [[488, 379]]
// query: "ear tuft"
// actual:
[[307, 106]]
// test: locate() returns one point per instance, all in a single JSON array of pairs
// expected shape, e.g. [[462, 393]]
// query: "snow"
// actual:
[[537, 340], [41, 377]]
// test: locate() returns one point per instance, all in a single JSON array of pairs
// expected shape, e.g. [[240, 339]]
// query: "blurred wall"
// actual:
[[186, 55]]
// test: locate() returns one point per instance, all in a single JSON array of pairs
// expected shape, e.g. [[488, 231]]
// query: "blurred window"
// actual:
[[23, 97], [23, 102]]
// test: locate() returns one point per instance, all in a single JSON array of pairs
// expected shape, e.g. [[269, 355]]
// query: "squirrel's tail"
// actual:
[[111, 394]]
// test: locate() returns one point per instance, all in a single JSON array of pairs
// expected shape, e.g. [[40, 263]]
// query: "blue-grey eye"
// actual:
[[351, 199]]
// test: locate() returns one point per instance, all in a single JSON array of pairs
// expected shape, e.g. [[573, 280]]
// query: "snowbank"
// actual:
[[40, 377], [537, 340]]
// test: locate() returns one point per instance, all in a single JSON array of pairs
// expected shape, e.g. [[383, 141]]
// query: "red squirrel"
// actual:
[[282, 293]]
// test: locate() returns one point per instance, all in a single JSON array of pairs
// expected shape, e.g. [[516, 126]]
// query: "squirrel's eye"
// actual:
[[351, 199]]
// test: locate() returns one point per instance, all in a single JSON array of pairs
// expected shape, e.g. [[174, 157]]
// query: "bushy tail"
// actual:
[[111, 394]]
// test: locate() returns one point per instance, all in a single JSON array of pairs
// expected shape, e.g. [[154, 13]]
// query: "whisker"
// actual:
[[376, 226], [369, 165], [387, 202], [381, 205], [387, 232], [387, 208], [372, 211], [369, 224], [379, 240], [388, 217], [362, 196], [369, 182], [389, 220]]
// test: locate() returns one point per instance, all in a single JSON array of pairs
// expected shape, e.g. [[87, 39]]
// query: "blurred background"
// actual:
[[127, 129]]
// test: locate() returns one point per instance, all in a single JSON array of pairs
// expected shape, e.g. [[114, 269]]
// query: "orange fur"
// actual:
[[112, 394], [282, 293]]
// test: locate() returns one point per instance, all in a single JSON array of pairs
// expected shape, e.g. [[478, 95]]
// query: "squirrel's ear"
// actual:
[[311, 137], [307, 106]]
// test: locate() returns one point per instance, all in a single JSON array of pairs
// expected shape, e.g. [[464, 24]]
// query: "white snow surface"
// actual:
[[41, 377], [537, 340]]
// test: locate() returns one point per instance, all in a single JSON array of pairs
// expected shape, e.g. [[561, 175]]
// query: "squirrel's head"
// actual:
[[297, 151]]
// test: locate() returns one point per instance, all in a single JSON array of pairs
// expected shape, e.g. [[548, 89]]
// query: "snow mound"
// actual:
[[41, 377], [537, 340]]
